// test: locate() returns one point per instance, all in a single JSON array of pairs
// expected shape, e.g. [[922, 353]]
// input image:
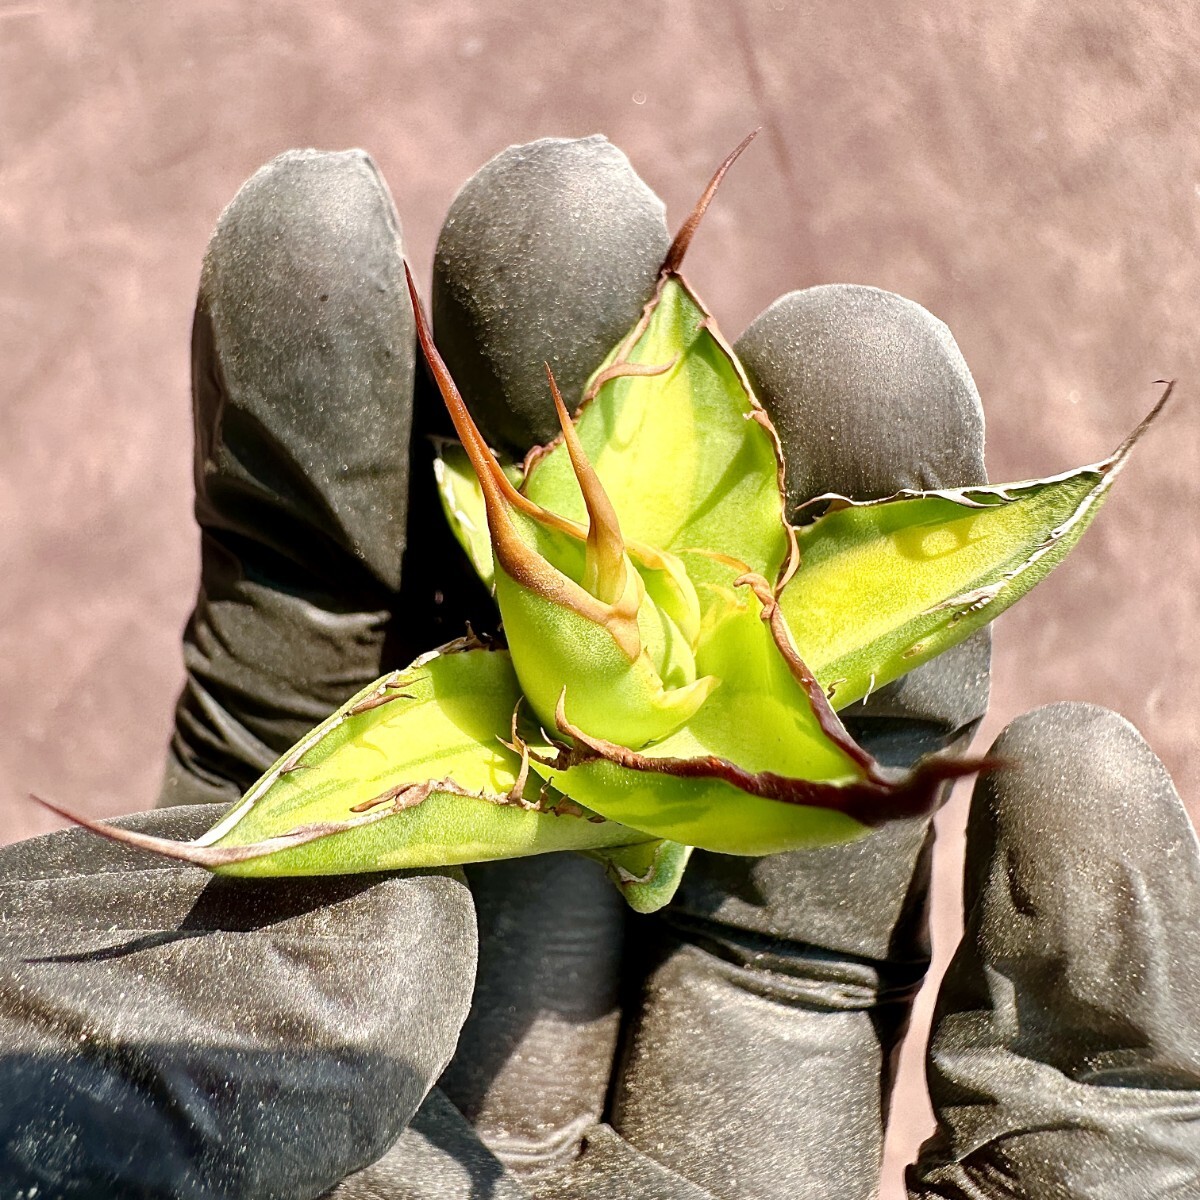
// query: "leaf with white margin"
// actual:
[[886, 585]]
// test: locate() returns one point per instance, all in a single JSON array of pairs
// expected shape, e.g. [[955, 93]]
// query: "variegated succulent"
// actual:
[[676, 651]]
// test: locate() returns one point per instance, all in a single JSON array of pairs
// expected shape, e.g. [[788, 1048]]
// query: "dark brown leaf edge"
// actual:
[[874, 801]]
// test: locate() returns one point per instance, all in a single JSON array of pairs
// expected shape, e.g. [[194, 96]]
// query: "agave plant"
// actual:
[[675, 652]]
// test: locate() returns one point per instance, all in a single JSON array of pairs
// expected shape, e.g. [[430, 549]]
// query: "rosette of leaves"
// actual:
[[675, 652]]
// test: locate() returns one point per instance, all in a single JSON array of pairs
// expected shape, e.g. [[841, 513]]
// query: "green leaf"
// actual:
[[411, 772], [763, 766], [647, 874], [462, 502], [714, 813], [886, 585], [761, 717], [555, 647], [686, 456]]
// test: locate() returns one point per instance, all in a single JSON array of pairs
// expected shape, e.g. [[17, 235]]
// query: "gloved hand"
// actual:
[[795, 973], [761, 1013], [762, 1009]]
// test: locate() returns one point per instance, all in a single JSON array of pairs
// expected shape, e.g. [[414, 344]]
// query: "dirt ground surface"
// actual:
[[1029, 172]]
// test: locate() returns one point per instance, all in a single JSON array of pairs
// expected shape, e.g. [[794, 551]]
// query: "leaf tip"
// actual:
[[683, 239], [180, 851], [1119, 457]]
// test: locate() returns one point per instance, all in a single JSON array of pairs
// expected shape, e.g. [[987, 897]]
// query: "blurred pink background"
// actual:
[[1030, 172]]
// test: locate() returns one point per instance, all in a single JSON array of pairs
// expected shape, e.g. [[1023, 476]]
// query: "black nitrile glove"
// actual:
[[251, 1039], [1065, 1055], [168, 1035], [302, 372]]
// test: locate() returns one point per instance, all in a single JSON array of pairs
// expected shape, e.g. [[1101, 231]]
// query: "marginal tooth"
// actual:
[[971, 601], [620, 370]]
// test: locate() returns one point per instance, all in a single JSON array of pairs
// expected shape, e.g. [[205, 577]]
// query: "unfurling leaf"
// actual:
[[676, 650]]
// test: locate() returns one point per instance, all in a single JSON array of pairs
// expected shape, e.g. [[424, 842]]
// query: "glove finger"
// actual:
[[548, 254], [302, 361], [533, 1063], [795, 974], [166, 1033], [438, 1157], [1065, 1056], [869, 392]]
